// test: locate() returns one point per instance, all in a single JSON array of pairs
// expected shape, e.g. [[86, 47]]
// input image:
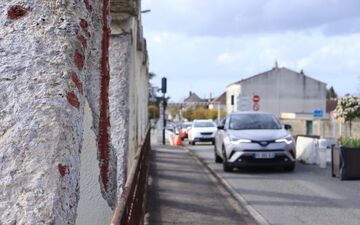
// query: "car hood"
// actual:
[[259, 135], [204, 129]]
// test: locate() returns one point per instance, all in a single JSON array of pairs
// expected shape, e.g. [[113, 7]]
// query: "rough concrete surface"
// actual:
[[43, 59], [92, 209], [53, 56], [120, 52], [181, 193]]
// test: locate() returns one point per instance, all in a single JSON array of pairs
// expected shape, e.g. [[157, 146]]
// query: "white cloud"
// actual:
[[228, 58], [203, 47], [214, 18]]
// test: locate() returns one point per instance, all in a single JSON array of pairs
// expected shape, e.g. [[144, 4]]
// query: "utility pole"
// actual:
[[163, 90]]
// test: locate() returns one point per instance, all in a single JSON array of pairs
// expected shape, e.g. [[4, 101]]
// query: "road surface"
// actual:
[[307, 196]]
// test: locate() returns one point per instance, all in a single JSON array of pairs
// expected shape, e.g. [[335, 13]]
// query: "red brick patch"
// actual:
[[16, 12], [63, 170], [82, 40], [79, 59], [77, 82], [73, 100], [88, 6], [104, 122], [84, 24], [85, 27]]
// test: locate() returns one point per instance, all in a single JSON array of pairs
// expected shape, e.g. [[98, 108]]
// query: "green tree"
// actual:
[[187, 114], [211, 114], [223, 114], [199, 113], [153, 112], [173, 110]]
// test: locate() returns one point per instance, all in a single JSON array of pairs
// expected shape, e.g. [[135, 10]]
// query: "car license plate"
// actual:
[[264, 155]]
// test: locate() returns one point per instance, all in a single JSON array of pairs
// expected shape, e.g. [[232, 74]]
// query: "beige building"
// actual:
[[280, 91]]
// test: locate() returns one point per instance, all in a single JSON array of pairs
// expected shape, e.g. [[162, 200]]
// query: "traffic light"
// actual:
[[163, 85]]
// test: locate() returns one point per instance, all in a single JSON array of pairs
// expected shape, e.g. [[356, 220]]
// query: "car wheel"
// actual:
[[290, 168], [193, 143], [226, 166], [218, 159], [213, 142]]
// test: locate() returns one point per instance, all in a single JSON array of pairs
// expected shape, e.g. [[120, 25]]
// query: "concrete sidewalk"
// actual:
[[180, 192]]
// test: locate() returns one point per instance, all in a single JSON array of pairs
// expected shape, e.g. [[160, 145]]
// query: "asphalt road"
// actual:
[[309, 195]]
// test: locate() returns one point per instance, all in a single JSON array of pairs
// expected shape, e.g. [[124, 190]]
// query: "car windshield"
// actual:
[[186, 125], [253, 121], [204, 124]]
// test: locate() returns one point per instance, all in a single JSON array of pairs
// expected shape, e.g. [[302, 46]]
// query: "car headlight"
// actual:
[[288, 140], [239, 140]]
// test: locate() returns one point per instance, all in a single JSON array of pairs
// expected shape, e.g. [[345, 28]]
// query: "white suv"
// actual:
[[202, 131], [249, 139]]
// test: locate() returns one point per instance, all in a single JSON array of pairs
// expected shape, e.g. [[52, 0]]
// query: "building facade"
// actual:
[[279, 91]]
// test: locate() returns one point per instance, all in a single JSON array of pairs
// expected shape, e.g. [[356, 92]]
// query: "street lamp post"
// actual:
[[163, 90]]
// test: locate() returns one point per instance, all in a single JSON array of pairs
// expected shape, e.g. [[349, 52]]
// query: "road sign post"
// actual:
[[163, 90], [256, 100], [318, 114]]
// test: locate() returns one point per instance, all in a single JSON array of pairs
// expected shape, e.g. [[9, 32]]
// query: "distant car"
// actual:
[[254, 139], [184, 129], [202, 131]]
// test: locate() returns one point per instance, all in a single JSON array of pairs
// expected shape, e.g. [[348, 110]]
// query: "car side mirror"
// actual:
[[221, 127], [287, 127]]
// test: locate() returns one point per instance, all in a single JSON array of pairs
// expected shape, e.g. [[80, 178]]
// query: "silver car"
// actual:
[[254, 139]]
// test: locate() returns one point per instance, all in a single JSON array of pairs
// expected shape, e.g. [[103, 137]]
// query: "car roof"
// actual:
[[207, 120], [251, 112], [187, 123]]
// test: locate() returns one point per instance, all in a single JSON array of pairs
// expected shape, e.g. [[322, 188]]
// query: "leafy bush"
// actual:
[[348, 107], [352, 142]]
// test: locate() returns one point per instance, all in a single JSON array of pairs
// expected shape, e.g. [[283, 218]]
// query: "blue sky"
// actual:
[[205, 45]]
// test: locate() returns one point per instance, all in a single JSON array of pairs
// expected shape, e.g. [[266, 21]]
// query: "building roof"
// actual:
[[330, 105], [275, 68], [221, 99], [193, 98]]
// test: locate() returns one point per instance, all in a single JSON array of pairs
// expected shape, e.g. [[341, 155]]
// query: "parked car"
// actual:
[[184, 130], [202, 131], [254, 139]]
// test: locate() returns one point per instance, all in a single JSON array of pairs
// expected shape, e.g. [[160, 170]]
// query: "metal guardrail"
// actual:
[[130, 209]]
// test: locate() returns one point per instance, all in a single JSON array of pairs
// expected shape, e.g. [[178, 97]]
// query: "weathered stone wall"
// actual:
[[326, 129], [44, 47], [128, 92], [93, 208], [53, 56]]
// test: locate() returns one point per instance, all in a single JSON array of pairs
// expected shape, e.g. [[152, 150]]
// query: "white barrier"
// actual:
[[314, 151], [306, 150]]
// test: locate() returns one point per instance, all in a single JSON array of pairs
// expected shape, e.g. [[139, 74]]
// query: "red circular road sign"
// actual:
[[256, 107], [256, 98]]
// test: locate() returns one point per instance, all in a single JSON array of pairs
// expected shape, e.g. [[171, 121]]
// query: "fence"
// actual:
[[131, 206]]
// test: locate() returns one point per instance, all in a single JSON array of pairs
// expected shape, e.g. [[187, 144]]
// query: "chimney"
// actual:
[[276, 65]]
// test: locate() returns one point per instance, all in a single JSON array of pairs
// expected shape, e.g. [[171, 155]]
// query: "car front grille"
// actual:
[[264, 150], [206, 133]]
